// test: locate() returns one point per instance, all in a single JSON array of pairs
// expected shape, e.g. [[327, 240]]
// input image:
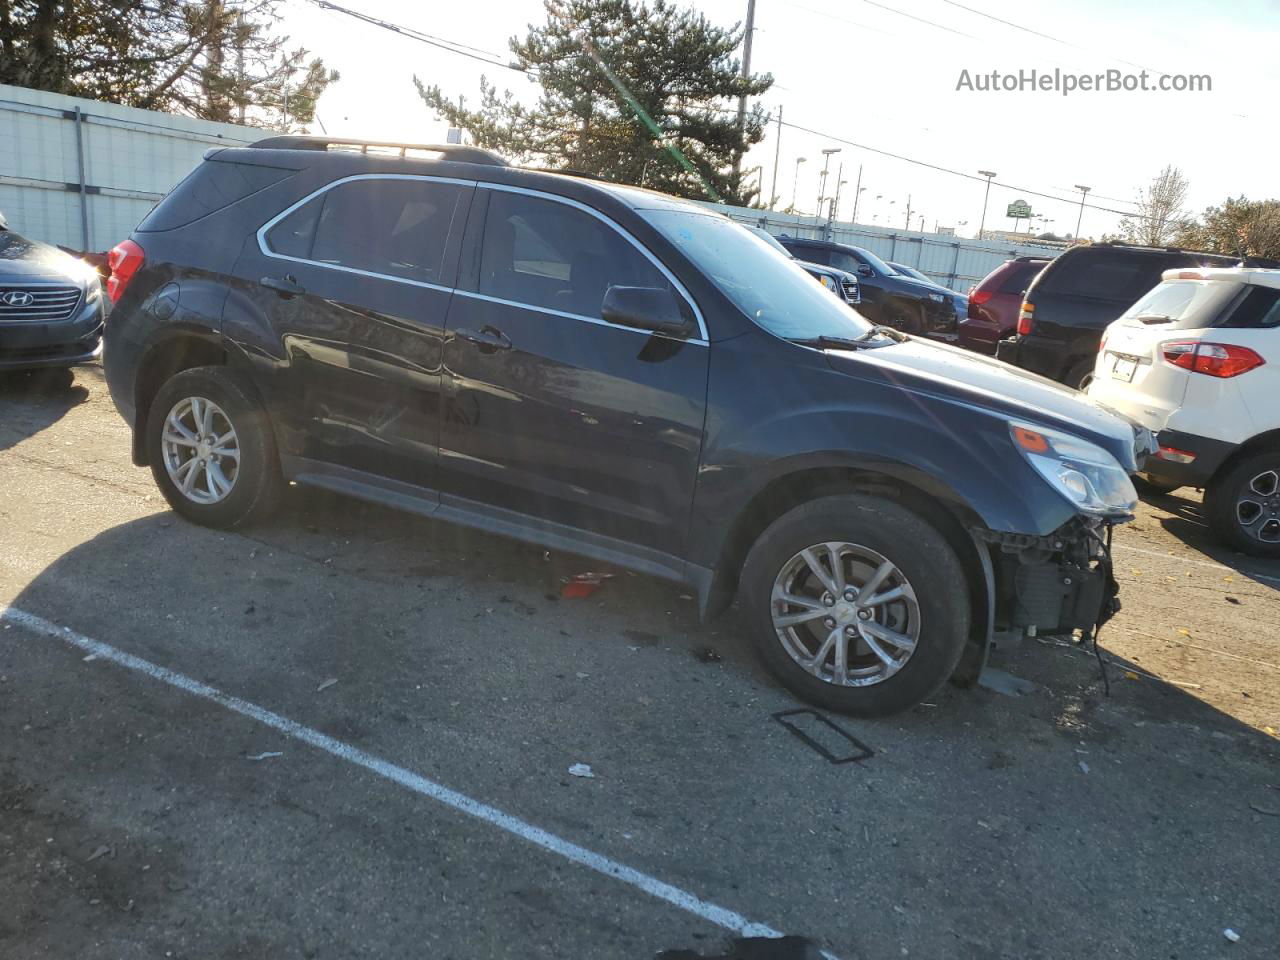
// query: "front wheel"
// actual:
[[856, 604], [211, 448], [1243, 505]]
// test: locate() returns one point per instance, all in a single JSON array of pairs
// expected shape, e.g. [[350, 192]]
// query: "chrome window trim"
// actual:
[[266, 251]]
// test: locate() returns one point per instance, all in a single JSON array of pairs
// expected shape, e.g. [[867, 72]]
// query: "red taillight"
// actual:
[[1212, 359], [124, 260], [1025, 318], [1175, 455], [981, 296]]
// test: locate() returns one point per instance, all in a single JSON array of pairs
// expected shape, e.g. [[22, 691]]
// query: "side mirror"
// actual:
[[865, 271], [645, 308]]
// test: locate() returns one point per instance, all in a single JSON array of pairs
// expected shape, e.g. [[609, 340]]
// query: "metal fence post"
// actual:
[[955, 263], [84, 197]]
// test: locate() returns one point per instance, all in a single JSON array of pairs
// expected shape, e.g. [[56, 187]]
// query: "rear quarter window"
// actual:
[[1258, 310], [1018, 277], [208, 188]]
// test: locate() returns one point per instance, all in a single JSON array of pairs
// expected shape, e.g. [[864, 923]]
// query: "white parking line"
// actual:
[[686, 901], [1198, 563]]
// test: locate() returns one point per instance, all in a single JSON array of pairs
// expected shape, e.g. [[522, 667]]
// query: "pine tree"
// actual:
[[673, 64], [213, 59]]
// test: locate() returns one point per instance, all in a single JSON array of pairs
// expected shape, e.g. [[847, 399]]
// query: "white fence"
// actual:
[[951, 261], [81, 174]]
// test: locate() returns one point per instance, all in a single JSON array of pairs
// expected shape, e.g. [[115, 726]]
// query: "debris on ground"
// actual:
[[583, 584], [581, 770], [101, 851], [1231, 935], [1084, 767], [1000, 681], [1265, 811], [708, 655], [326, 685], [266, 756]]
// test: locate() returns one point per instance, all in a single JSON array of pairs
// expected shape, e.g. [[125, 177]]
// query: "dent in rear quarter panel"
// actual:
[[775, 409]]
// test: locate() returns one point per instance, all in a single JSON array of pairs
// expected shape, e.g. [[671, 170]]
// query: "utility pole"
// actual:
[[834, 203], [983, 222], [1084, 192], [907, 226], [857, 195], [746, 75], [777, 158]]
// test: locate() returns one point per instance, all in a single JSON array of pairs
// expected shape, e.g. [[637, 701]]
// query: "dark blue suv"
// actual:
[[613, 372]]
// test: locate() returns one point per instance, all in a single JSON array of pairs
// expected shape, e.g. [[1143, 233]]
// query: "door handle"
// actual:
[[286, 286], [488, 339]]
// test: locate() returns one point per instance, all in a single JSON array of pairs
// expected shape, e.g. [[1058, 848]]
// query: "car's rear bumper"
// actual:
[[1209, 455], [1045, 359]]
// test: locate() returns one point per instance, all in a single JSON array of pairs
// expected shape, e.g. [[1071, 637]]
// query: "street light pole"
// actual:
[[822, 184], [857, 194], [1084, 192], [796, 182], [777, 158], [983, 222]]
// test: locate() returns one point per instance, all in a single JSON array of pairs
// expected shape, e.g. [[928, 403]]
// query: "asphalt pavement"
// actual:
[[349, 733]]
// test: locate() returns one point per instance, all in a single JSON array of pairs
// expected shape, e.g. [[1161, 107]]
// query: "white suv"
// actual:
[[1197, 360]]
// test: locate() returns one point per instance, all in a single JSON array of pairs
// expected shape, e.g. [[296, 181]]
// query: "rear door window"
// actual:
[[548, 254], [208, 188], [389, 227]]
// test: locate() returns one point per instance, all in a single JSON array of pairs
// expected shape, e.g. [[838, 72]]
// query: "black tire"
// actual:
[[1153, 486], [257, 484], [1224, 492], [908, 319], [920, 553], [1081, 375]]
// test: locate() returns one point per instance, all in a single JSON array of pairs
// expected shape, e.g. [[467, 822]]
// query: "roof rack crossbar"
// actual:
[[452, 151]]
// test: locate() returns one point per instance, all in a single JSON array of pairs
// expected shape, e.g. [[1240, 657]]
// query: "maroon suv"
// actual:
[[994, 304]]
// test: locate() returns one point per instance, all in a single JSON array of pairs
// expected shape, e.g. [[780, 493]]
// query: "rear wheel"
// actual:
[[856, 604], [1243, 505], [211, 448], [907, 318], [1081, 375]]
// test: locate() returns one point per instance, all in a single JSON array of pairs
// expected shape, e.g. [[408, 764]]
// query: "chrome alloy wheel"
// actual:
[[1258, 507], [845, 614], [201, 450]]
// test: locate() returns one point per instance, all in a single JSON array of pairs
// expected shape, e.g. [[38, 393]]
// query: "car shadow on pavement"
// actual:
[[1186, 521], [446, 644], [32, 400]]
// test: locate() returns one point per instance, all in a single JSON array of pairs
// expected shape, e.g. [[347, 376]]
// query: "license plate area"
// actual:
[[1123, 368]]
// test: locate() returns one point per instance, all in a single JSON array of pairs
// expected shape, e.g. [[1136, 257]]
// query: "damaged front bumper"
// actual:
[[1052, 585]]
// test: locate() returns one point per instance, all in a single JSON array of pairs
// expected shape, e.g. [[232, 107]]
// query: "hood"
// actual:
[[964, 377], [23, 259], [925, 285]]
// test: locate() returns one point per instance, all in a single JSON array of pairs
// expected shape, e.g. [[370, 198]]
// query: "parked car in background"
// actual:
[[888, 297], [1075, 296], [51, 305], [1197, 361], [959, 301], [994, 302], [606, 371], [840, 282]]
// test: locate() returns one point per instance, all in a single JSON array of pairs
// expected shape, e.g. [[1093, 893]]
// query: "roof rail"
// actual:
[[452, 151]]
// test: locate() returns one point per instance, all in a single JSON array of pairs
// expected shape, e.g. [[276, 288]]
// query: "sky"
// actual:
[[884, 74]]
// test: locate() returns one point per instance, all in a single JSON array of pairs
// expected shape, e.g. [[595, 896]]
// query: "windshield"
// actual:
[[772, 241], [771, 289]]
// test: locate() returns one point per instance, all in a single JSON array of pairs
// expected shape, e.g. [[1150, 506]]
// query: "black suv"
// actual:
[[616, 373], [1078, 294], [889, 298]]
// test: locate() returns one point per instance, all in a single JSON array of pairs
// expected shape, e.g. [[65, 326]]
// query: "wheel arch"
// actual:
[[1267, 440], [921, 495], [180, 350]]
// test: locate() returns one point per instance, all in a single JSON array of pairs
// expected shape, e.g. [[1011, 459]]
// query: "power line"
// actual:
[[912, 16], [1045, 36]]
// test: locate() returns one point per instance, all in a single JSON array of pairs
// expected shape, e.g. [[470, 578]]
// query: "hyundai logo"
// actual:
[[17, 298]]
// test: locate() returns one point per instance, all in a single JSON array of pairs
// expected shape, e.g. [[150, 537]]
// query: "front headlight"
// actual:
[[1090, 478], [937, 297], [826, 282]]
